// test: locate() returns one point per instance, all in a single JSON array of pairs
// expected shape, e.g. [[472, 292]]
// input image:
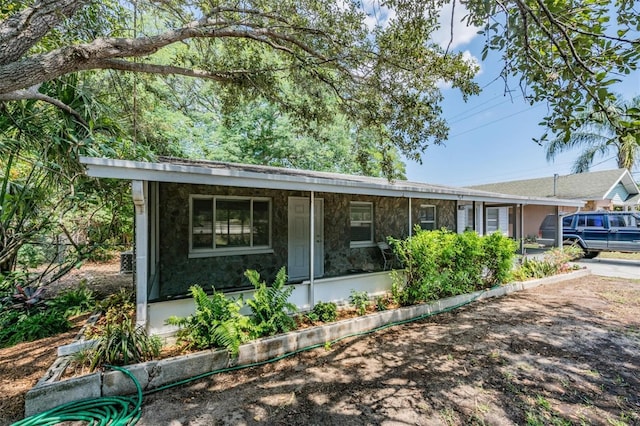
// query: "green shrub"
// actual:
[[360, 300], [216, 323], [441, 263], [31, 256], [121, 341], [553, 262], [74, 302], [116, 299], [25, 326], [382, 302], [270, 305], [499, 252], [324, 311]]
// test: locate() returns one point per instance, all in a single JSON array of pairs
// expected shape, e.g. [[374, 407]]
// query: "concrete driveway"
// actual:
[[613, 267]]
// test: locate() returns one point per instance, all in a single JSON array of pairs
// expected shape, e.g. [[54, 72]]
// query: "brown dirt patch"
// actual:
[[566, 353], [21, 366]]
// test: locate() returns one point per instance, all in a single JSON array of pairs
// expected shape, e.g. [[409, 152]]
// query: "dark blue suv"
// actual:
[[598, 231]]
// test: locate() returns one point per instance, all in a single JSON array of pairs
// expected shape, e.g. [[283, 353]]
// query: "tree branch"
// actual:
[[32, 93], [24, 29], [35, 69]]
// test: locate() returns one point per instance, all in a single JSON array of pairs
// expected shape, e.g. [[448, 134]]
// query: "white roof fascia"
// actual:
[[630, 182], [165, 172]]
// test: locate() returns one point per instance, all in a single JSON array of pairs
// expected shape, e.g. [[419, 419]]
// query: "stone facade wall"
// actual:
[[177, 272]]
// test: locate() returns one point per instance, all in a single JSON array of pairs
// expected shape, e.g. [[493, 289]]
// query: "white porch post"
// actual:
[[410, 219], [522, 228], [312, 241], [558, 227], [139, 191]]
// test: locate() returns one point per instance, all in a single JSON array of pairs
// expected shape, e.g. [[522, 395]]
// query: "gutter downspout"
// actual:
[[139, 190]]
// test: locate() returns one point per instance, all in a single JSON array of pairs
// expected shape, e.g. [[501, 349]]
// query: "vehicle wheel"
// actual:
[[591, 254]]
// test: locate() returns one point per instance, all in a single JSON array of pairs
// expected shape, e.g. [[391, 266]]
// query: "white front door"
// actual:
[[299, 242]]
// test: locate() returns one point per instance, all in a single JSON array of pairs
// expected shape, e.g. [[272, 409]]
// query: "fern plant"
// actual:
[[270, 305], [217, 322]]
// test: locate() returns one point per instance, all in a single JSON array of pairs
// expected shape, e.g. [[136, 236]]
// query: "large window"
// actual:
[[225, 224], [427, 216], [361, 224]]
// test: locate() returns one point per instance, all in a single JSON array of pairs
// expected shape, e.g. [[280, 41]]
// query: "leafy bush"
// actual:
[[74, 301], [25, 316], [553, 262], [116, 299], [24, 326], [270, 306], [441, 263], [31, 255], [121, 341], [360, 300], [217, 322], [382, 302], [498, 257], [324, 311]]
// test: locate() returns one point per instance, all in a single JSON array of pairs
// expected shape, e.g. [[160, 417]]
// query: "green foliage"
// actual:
[[554, 261], [31, 256], [382, 302], [360, 300], [74, 301], [43, 197], [270, 306], [570, 54], [498, 254], [600, 134], [23, 326], [441, 263], [25, 316], [323, 62], [324, 311], [121, 341], [121, 297], [217, 322]]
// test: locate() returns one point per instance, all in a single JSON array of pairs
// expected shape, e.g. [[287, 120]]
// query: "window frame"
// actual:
[[424, 221], [497, 219], [362, 243], [230, 251]]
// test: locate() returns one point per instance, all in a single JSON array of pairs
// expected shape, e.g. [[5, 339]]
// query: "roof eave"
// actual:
[[162, 172]]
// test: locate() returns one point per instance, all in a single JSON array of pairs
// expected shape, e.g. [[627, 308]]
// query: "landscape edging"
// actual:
[[154, 374]]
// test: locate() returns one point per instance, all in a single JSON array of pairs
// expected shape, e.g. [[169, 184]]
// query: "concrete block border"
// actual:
[[154, 374]]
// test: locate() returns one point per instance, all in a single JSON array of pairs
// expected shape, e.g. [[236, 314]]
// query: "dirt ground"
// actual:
[[21, 366], [566, 353]]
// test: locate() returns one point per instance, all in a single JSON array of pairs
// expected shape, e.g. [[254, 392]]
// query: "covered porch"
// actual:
[[324, 227]]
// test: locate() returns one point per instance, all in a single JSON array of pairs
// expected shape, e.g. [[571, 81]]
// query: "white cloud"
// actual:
[[377, 14], [467, 56], [462, 34]]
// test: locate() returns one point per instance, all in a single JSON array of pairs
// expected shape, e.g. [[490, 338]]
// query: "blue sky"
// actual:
[[490, 137]]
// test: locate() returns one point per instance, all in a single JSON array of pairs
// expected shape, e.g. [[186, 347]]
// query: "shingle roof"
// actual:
[[583, 186]]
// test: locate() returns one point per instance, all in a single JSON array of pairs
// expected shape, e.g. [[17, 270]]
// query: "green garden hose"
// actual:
[[121, 411], [107, 410]]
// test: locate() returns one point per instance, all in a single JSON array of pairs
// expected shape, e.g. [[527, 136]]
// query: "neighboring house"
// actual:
[[200, 222], [602, 190]]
